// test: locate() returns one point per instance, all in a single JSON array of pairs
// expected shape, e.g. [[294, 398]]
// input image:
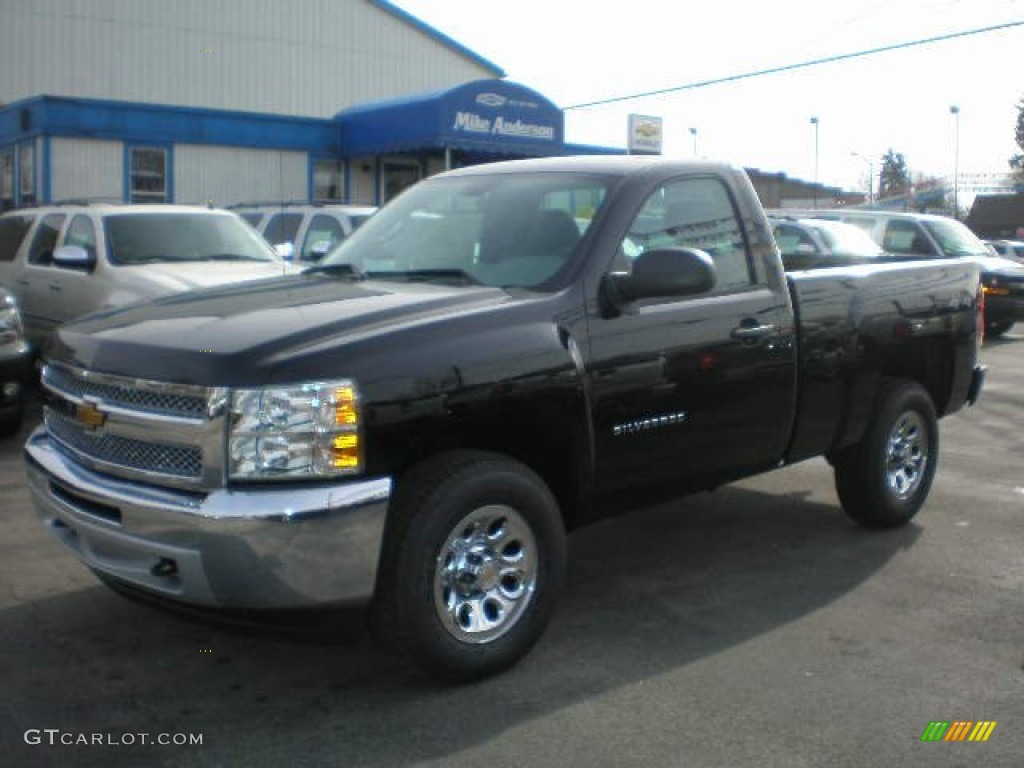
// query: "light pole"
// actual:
[[954, 110], [871, 177], [814, 122], [693, 132]]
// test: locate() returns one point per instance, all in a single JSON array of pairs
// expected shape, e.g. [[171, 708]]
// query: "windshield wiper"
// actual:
[[345, 270], [423, 275]]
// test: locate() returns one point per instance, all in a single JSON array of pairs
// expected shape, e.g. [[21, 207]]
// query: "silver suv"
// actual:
[[303, 231], [64, 261]]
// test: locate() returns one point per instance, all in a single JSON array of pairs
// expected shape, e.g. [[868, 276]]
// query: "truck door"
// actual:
[[699, 386]]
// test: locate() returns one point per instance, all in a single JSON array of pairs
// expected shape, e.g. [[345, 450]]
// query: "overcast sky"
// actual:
[[576, 51]]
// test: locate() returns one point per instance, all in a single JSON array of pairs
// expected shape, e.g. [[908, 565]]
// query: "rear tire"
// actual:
[[883, 480], [473, 563]]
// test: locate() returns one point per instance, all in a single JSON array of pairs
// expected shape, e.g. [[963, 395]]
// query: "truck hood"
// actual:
[[240, 334], [169, 277]]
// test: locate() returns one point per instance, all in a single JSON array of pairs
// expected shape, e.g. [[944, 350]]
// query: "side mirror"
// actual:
[[74, 257], [662, 273], [285, 250]]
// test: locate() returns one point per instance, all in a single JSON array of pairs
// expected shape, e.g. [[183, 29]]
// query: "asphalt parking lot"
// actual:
[[751, 626]]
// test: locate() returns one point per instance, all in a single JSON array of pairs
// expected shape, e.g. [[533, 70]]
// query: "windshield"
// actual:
[[142, 238], [955, 239], [503, 230], [846, 240]]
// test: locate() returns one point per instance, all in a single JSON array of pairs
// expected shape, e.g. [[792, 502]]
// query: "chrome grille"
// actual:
[[176, 460], [140, 396]]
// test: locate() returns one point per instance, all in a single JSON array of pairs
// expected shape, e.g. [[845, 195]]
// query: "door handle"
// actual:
[[55, 287], [753, 332]]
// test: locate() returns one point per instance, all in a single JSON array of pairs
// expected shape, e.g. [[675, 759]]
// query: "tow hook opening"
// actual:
[[165, 568]]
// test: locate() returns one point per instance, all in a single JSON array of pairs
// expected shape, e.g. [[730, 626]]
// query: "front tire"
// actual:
[[883, 480], [472, 566]]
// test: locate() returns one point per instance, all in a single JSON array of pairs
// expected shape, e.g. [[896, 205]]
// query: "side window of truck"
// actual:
[[906, 238], [40, 253], [81, 232], [12, 231], [692, 213], [282, 228]]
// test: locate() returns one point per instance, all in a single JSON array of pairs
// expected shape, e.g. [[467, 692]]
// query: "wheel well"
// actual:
[[931, 366], [542, 438]]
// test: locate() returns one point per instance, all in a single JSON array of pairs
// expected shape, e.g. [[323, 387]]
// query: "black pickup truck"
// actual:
[[500, 355]]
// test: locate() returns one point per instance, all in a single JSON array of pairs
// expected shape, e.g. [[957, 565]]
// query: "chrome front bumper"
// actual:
[[258, 548]]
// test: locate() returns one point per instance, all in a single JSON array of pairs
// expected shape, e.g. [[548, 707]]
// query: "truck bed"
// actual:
[[858, 323]]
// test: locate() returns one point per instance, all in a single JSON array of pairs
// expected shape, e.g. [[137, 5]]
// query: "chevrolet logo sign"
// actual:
[[88, 415]]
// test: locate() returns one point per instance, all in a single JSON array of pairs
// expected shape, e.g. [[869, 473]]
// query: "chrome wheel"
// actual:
[[486, 574], [906, 455]]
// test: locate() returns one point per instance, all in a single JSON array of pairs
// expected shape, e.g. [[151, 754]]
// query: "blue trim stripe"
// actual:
[[161, 123], [438, 35]]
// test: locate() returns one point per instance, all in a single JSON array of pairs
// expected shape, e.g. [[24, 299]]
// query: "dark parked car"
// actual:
[[15, 365]]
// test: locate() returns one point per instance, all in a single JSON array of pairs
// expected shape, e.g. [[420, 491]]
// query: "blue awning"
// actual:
[[489, 116]]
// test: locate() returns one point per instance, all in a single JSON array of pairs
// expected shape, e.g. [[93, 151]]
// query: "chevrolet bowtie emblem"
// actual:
[[89, 415]]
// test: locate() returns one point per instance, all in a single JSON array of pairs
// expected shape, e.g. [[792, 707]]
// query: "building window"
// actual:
[[148, 175], [398, 177], [27, 175], [328, 181], [7, 181]]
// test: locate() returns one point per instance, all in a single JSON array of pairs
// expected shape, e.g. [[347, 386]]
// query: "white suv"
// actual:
[[64, 261], [302, 231]]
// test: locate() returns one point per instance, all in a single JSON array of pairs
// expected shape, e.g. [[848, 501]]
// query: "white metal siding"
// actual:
[[224, 175], [86, 168], [302, 57]]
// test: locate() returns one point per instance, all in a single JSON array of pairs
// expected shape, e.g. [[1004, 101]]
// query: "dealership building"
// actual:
[[221, 102]]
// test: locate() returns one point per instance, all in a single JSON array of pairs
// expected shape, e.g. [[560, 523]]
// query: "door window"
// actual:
[[692, 213], [82, 233], [906, 238], [45, 240], [12, 232]]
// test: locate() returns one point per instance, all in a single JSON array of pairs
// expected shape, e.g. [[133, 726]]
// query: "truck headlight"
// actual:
[[306, 430]]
